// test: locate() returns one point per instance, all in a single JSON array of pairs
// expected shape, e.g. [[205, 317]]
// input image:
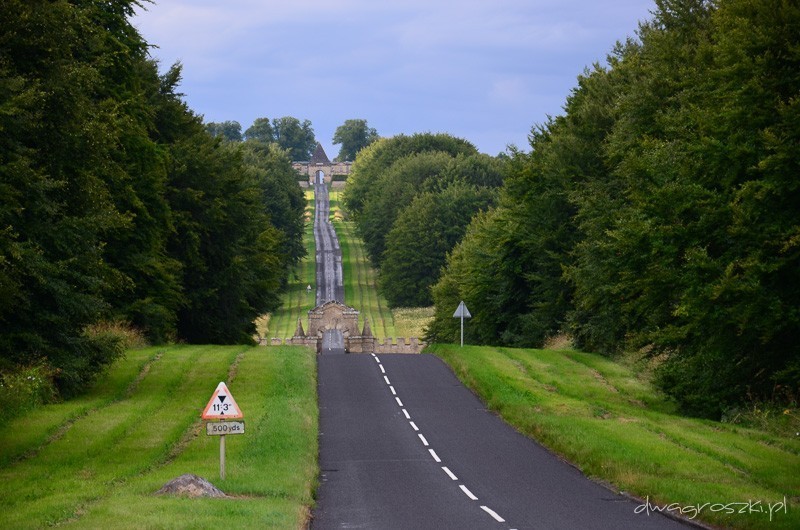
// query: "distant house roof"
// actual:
[[319, 156]]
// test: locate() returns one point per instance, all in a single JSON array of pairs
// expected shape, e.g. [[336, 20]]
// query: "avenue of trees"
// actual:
[[660, 213], [412, 198], [116, 205], [295, 137]]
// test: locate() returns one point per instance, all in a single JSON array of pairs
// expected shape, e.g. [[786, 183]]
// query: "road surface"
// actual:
[[330, 285], [404, 445]]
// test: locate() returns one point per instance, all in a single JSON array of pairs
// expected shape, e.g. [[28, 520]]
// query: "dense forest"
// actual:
[[660, 213], [411, 198], [118, 210]]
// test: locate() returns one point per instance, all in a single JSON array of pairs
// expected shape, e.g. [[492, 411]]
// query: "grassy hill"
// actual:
[[615, 427], [97, 461]]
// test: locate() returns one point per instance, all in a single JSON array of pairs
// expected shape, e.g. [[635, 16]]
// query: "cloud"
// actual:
[[492, 69]]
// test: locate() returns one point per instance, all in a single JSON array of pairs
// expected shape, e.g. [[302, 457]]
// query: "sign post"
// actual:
[[222, 406], [462, 312]]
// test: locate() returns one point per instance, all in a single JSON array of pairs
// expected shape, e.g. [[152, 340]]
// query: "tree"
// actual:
[[378, 157], [61, 68], [261, 130], [420, 238], [353, 135], [229, 130], [282, 198], [297, 138]]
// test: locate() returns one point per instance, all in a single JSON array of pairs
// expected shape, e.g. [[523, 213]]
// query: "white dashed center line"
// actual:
[[493, 514], [468, 493], [435, 457], [449, 473]]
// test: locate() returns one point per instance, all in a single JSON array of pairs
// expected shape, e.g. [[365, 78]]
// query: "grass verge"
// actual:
[[96, 462], [598, 415], [360, 279], [297, 302]]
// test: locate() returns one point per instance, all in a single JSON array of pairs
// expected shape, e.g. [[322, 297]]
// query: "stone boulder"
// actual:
[[189, 485]]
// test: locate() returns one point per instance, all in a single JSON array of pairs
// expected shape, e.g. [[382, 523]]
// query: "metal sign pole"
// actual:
[[462, 330], [222, 457]]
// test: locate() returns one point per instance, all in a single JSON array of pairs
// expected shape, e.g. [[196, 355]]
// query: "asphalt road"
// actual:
[[404, 445], [330, 284]]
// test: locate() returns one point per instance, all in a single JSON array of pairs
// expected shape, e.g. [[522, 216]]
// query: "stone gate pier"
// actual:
[[337, 316]]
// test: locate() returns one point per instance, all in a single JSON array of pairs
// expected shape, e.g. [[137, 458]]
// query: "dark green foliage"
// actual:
[[421, 237], [374, 160], [353, 135], [115, 203], [414, 197], [296, 137], [282, 198], [230, 131], [660, 212]]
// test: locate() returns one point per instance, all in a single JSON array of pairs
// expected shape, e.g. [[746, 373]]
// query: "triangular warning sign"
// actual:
[[222, 406]]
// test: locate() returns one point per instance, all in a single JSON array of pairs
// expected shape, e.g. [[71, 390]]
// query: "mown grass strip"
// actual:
[[104, 471], [615, 427], [296, 301]]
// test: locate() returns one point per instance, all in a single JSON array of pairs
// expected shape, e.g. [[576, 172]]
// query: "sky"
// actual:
[[483, 70]]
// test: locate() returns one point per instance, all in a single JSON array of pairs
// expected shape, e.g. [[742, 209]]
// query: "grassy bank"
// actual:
[[296, 301], [615, 427], [360, 285], [96, 461]]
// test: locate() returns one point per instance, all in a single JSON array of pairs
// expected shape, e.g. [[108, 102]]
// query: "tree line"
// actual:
[[116, 205], [411, 198], [660, 213], [296, 137]]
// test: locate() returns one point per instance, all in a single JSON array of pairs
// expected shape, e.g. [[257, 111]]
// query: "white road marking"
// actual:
[[414, 425], [406, 413], [392, 389], [374, 355], [468, 493], [387, 380], [493, 514], [383, 371], [376, 359], [398, 401], [449, 473], [424, 441], [434, 455]]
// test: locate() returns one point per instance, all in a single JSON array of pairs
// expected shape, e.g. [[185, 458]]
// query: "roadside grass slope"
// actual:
[[360, 279], [616, 428], [97, 461], [297, 302]]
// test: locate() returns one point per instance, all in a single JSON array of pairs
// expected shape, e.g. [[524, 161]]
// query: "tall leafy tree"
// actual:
[[421, 237], [62, 128], [228, 130], [261, 130], [296, 137], [353, 135], [374, 160]]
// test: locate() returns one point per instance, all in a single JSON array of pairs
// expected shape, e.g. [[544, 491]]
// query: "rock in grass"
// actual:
[[189, 485]]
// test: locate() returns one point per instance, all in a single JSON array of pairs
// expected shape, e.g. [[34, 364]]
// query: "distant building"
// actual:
[[320, 169]]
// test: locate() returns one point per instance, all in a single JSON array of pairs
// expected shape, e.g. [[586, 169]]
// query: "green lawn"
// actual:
[[360, 287], [297, 302], [615, 427], [97, 461]]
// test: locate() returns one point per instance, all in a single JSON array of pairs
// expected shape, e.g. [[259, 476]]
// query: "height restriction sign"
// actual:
[[222, 406]]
